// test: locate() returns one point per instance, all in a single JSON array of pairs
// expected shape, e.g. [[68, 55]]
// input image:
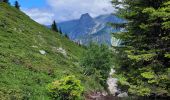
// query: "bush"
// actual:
[[97, 61], [68, 88]]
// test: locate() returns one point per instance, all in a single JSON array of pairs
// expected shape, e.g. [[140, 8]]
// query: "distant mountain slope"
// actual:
[[87, 29], [31, 56]]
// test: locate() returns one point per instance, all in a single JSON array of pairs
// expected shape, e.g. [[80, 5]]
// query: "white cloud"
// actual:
[[40, 15], [63, 10], [73, 9]]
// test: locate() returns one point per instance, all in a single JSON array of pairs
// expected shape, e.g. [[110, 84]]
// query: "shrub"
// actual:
[[68, 88], [97, 61]]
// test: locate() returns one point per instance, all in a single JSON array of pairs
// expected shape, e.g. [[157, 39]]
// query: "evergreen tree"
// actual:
[[6, 1], [17, 5], [143, 58], [60, 31], [66, 36], [54, 26]]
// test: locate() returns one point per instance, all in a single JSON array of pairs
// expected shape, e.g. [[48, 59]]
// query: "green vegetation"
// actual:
[[54, 26], [66, 36], [39, 64], [17, 5], [32, 56], [6, 1], [60, 31], [68, 88], [97, 63], [142, 61]]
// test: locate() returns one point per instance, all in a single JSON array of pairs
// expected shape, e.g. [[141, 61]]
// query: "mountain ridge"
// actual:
[[87, 29]]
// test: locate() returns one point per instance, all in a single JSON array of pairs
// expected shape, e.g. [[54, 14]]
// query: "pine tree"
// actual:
[[17, 5], [60, 31], [66, 36], [6, 1], [143, 58], [54, 26]]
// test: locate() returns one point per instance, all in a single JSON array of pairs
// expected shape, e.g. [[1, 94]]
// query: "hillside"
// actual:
[[31, 56], [87, 29]]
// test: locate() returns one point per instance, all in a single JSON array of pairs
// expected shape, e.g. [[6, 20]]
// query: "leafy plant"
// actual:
[[68, 88], [97, 61]]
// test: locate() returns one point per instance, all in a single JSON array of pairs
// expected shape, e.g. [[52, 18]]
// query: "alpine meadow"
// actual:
[[84, 49]]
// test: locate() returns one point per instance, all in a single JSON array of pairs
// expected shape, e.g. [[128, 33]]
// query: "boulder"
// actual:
[[42, 52], [122, 95]]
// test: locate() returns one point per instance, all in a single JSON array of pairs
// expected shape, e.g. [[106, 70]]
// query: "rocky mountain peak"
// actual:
[[86, 19], [87, 29], [86, 16]]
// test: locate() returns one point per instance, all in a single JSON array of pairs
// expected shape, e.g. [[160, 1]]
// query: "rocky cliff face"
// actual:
[[88, 29]]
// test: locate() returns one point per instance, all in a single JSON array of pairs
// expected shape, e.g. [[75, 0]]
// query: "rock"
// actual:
[[34, 46], [112, 83], [104, 93], [63, 51], [122, 95], [42, 52]]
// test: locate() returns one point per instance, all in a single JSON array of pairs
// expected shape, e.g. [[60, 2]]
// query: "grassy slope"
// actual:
[[24, 72]]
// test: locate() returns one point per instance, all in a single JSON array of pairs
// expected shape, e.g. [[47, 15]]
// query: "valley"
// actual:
[[119, 56]]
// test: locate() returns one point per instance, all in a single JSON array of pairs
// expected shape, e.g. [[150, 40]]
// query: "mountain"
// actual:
[[88, 29], [32, 56]]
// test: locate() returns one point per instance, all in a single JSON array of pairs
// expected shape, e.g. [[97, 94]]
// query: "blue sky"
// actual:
[[31, 3], [45, 11]]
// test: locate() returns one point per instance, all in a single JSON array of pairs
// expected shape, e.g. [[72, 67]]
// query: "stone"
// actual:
[[63, 51], [42, 52], [122, 95], [34, 46], [112, 83]]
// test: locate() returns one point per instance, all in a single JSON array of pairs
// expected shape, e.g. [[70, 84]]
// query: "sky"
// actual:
[[45, 11]]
